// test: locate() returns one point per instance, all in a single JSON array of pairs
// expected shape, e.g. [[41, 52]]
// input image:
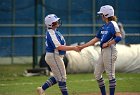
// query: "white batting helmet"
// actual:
[[107, 11], [49, 19]]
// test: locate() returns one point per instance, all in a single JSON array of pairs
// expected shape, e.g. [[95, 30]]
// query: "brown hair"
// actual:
[[54, 23], [112, 18]]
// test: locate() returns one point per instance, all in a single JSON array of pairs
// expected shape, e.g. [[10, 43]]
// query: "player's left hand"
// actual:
[[105, 45]]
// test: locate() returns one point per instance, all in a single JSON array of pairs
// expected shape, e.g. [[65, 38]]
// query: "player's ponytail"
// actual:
[[112, 18]]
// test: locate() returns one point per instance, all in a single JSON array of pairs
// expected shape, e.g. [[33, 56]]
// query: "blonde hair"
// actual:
[[112, 18]]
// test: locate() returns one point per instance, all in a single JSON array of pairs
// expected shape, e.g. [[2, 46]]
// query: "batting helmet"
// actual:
[[107, 11], [50, 20]]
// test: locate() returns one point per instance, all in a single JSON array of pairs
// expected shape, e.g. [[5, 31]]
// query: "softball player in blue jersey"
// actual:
[[55, 50], [108, 35]]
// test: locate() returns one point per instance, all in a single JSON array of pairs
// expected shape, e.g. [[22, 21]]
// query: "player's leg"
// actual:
[[52, 80], [61, 74], [109, 58], [58, 69], [99, 69]]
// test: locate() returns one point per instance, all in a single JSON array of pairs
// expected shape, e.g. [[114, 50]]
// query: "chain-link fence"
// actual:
[[21, 21]]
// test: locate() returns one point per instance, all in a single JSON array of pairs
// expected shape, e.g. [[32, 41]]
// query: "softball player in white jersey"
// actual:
[[108, 35], [55, 51]]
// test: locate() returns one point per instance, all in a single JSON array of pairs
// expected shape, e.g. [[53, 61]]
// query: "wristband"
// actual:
[[117, 39]]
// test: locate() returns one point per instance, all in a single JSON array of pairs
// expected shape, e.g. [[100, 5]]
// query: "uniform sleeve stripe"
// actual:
[[115, 26], [54, 38]]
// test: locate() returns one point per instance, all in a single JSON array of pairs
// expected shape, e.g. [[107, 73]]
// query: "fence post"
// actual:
[[35, 59], [34, 51]]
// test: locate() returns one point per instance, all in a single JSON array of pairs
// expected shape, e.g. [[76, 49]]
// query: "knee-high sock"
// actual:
[[51, 81], [102, 86], [63, 87], [112, 85]]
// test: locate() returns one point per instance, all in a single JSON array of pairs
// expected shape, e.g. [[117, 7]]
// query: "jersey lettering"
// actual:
[[104, 32]]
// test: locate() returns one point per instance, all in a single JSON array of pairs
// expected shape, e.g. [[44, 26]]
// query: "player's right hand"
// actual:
[[80, 47], [77, 49]]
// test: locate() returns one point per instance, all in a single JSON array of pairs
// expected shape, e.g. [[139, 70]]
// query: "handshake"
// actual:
[[78, 48]]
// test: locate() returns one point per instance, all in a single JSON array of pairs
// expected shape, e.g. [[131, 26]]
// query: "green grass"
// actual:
[[12, 82]]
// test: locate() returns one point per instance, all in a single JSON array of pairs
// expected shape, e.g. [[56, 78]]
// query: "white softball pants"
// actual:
[[56, 63], [106, 62]]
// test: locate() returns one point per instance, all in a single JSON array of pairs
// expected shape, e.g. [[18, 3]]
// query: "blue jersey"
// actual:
[[107, 32], [53, 40]]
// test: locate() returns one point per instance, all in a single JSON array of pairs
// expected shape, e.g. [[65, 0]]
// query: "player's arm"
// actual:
[[114, 41], [67, 48], [90, 43], [57, 45]]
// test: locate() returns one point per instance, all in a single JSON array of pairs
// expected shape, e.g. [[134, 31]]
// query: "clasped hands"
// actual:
[[78, 48]]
